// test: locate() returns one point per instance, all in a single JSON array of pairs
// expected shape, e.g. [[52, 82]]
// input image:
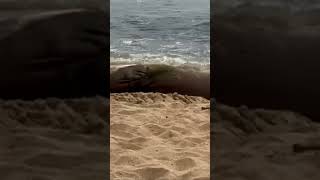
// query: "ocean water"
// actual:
[[160, 31]]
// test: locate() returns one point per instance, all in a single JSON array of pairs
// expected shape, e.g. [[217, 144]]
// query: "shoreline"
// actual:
[[162, 78]]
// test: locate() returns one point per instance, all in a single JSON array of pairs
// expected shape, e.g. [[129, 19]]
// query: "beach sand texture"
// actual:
[[263, 144], [54, 139], [156, 136]]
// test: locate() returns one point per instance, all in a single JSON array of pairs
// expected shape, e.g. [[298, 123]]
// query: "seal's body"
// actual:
[[161, 78]]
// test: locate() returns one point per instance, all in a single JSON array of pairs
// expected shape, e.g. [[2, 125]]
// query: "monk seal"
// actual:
[[60, 53], [160, 78], [266, 62]]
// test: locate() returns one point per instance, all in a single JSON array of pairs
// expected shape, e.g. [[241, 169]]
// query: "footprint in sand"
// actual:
[[122, 130], [153, 173], [156, 130], [131, 146], [128, 161], [184, 164]]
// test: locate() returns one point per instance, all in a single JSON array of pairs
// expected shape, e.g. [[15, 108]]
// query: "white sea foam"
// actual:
[[156, 59]]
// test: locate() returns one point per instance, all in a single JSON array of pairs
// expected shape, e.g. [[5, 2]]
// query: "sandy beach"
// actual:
[[157, 136], [153, 136], [54, 139], [263, 144]]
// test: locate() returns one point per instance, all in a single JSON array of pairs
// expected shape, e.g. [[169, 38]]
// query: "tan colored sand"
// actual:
[[159, 137]]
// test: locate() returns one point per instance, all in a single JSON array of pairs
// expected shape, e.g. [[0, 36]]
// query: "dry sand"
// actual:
[[53, 139], [159, 137], [260, 144], [154, 136]]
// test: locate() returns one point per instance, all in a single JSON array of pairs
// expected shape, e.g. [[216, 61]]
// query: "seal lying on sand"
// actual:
[[54, 54], [160, 78], [262, 64]]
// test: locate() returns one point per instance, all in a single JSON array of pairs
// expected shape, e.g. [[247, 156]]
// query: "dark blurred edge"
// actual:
[[211, 89], [306, 52], [108, 77], [48, 6]]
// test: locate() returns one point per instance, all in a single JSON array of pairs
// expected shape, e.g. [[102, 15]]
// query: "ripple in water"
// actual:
[[166, 31]]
